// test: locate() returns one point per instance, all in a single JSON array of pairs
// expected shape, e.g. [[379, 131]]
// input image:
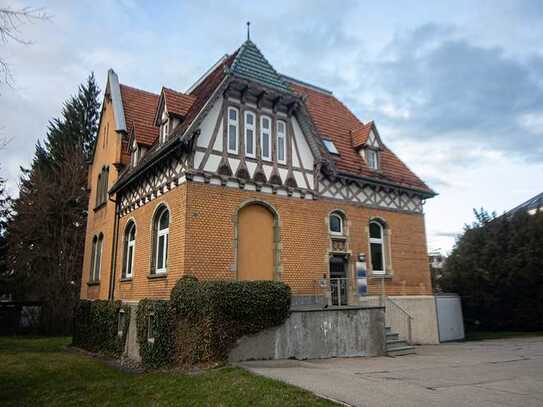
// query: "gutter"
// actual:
[[424, 193], [114, 245]]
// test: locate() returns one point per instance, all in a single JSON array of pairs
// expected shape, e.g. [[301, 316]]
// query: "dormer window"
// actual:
[[135, 153], [372, 159], [164, 131]]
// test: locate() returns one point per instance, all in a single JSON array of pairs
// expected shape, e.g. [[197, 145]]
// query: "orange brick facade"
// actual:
[[202, 233]]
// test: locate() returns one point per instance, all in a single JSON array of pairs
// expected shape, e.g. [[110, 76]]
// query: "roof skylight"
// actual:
[[330, 146]]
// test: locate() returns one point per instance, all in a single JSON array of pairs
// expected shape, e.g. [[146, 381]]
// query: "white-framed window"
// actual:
[[96, 257], [281, 147], [330, 146], [372, 159], [164, 128], [265, 138], [377, 248], [336, 224], [233, 130], [161, 229], [250, 142], [121, 323], [129, 249], [151, 328]]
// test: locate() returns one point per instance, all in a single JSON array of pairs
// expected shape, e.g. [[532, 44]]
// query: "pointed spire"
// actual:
[[252, 65], [248, 31]]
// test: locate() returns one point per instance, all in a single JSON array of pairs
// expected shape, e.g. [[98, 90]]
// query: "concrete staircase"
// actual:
[[395, 346]]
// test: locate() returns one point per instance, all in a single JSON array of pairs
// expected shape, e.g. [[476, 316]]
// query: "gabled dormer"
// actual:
[[367, 142], [172, 109]]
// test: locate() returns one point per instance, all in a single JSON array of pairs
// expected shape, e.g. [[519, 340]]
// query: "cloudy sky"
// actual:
[[456, 88]]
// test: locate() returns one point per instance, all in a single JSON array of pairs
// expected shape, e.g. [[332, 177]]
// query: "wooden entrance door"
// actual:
[[255, 243]]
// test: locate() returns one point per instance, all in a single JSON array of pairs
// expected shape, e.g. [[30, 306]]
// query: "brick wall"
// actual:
[[101, 220], [304, 239], [201, 242]]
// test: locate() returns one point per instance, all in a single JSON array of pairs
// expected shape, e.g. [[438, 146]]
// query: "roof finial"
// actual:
[[248, 31]]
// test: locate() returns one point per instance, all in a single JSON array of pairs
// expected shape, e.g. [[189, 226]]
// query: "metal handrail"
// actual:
[[409, 318]]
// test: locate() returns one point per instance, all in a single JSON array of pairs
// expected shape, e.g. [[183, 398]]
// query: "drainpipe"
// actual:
[[111, 295]]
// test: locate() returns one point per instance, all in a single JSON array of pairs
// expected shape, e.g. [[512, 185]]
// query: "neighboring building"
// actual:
[[247, 175], [436, 260], [531, 206]]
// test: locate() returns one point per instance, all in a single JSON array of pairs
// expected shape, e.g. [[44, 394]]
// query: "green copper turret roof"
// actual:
[[250, 64]]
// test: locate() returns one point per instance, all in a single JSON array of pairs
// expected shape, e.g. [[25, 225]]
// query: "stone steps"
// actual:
[[396, 346]]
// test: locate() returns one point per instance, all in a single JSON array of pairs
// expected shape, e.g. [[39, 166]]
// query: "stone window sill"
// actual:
[[386, 276], [126, 280], [91, 283], [99, 206], [157, 276]]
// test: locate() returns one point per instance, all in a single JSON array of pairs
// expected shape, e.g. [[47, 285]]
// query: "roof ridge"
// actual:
[[138, 89], [306, 84], [177, 92]]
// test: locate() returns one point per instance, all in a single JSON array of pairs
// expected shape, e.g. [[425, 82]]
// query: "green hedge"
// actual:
[[212, 315], [96, 325], [161, 352]]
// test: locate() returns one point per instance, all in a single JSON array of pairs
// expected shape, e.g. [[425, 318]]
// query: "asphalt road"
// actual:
[[504, 372]]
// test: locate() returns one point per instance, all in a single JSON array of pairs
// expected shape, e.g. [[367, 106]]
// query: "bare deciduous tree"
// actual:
[[10, 23]]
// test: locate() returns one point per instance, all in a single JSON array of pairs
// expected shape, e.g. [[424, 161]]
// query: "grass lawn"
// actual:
[[481, 335], [37, 372]]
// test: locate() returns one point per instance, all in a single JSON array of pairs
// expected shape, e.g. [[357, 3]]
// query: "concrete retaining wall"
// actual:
[[318, 333], [423, 310]]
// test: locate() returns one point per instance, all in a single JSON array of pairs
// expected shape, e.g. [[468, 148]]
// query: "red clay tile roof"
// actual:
[[139, 111], [177, 103], [360, 135], [203, 92], [334, 121]]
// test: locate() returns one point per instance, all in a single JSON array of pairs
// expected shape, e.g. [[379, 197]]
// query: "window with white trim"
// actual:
[[377, 248], [372, 159], [233, 130], [336, 224], [330, 146], [265, 138], [250, 145], [161, 232], [129, 248], [281, 142]]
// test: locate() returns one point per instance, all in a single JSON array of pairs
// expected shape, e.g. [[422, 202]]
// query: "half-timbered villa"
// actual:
[[250, 174]]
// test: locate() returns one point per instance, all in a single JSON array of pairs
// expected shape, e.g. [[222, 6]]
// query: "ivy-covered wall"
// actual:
[[203, 320], [96, 326]]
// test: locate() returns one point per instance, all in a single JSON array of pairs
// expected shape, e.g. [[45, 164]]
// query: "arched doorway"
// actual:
[[256, 243]]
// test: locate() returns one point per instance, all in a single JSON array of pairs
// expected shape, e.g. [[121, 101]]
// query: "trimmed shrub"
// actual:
[[212, 315], [158, 316], [96, 326]]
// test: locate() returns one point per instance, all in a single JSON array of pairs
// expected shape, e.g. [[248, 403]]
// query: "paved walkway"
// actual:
[[504, 372]]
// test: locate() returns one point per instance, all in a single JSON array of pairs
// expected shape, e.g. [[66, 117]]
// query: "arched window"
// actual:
[[99, 190], [336, 224], [129, 248], [101, 186], [96, 257], [161, 227], [377, 247], [233, 130]]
